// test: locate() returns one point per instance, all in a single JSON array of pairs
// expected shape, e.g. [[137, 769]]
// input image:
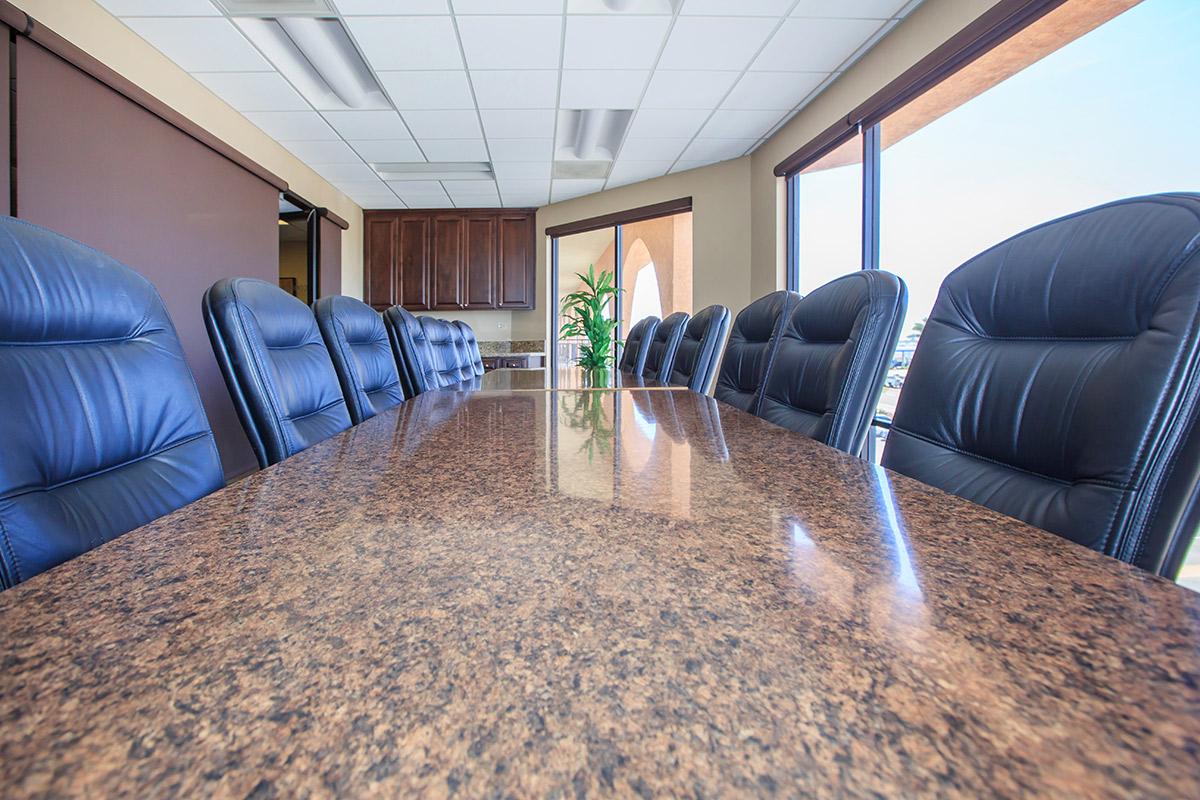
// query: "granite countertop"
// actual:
[[516, 347], [571, 594]]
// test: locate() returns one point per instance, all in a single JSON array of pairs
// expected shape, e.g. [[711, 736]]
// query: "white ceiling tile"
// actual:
[[683, 166], [516, 88], [492, 201], [711, 150], [201, 44], [498, 42], [324, 152], [454, 149], [415, 187], [625, 42], [375, 187], [652, 149], [254, 91], [160, 8], [371, 204], [872, 9], [471, 190], [662, 124], [521, 149], [284, 126], [367, 124], [522, 170], [518, 124], [687, 89], [739, 8], [345, 172], [407, 42], [508, 7], [715, 42], [524, 186], [773, 89], [566, 189], [624, 172], [603, 7], [385, 150], [428, 89], [517, 200], [602, 88], [443, 124], [740, 124], [814, 45], [361, 7]]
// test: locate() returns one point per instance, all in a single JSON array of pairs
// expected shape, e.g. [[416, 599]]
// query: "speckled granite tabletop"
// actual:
[[540, 379], [570, 594]]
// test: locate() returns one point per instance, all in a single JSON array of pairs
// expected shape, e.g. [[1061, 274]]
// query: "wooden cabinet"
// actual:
[[450, 260]]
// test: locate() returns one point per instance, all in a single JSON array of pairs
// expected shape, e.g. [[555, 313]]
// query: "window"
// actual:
[[1088, 104]]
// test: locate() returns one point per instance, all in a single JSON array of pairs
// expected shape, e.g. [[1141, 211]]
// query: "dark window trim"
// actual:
[[664, 209], [1000, 22]]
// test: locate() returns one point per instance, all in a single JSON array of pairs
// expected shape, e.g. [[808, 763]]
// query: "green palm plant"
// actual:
[[583, 315]]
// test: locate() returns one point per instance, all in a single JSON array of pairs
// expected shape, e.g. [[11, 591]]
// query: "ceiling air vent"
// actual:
[[275, 8], [582, 169], [435, 171]]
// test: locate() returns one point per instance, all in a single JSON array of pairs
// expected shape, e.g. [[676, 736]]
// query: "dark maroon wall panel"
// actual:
[[101, 169], [330, 257]]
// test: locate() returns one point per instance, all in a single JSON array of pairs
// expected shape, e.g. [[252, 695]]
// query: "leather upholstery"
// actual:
[[831, 356], [362, 355], [472, 347], [102, 429], [637, 346], [747, 354], [414, 361], [1057, 380], [276, 366], [450, 362], [660, 357], [700, 349]]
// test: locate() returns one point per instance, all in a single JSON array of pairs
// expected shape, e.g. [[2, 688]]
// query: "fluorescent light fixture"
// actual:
[[436, 171], [275, 8], [318, 58], [640, 6], [590, 134]]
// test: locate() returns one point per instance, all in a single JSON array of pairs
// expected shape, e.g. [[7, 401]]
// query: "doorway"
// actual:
[[299, 249]]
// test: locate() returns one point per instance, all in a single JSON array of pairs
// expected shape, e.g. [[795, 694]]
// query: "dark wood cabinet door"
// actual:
[[412, 268], [515, 272], [479, 268], [447, 261], [380, 246]]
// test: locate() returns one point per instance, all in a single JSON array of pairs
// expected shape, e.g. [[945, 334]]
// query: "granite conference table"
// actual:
[[582, 593]]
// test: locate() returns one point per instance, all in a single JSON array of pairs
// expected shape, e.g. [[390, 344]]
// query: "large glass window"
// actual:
[[1091, 103], [828, 207]]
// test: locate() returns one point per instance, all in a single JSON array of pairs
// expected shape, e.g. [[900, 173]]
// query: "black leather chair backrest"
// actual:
[[700, 349], [414, 361], [751, 343], [1057, 380], [660, 357], [101, 429], [448, 352], [832, 354], [276, 366], [362, 355], [637, 345], [472, 346]]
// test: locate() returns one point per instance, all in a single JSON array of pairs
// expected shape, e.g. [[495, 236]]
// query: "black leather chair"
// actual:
[[637, 345], [472, 347], [1057, 380], [448, 352], [831, 355], [362, 355], [276, 366], [751, 343], [660, 357], [414, 361], [102, 429], [700, 349]]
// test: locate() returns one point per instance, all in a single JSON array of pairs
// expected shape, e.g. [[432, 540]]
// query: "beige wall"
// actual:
[[89, 27], [721, 234], [933, 22]]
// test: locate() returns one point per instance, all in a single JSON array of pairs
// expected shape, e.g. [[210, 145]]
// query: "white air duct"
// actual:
[[588, 133]]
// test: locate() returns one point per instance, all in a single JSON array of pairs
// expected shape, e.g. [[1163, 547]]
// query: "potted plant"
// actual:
[[584, 315]]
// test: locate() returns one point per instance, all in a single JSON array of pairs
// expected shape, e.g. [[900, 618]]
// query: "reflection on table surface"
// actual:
[[543, 379], [555, 592]]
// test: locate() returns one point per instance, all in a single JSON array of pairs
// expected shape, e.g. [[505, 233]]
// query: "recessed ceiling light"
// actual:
[[590, 134], [443, 171], [275, 8]]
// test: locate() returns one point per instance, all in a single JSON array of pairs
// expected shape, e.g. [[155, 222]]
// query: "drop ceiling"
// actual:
[[498, 81]]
